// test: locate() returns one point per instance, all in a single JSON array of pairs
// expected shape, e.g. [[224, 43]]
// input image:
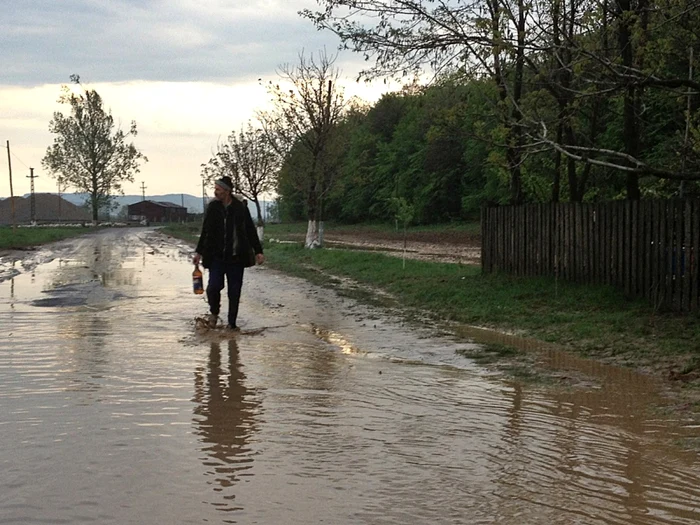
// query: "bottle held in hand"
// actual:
[[197, 282]]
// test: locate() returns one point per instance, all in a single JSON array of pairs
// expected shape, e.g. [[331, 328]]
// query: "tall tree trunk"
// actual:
[[94, 198], [512, 118], [515, 148], [313, 234], [556, 176], [260, 223], [258, 209], [575, 190], [313, 230], [630, 128]]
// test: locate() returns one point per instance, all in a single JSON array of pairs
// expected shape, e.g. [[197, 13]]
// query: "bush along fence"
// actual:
[[647, 248]]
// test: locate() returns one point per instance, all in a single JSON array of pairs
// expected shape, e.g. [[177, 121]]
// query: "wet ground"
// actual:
[[116, 409], [444, 246], [416, 250]]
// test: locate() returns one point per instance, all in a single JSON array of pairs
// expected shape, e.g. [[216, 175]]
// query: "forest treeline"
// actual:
[[551, 101]]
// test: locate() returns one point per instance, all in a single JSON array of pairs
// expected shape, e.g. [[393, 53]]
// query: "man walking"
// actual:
[[228, 244]]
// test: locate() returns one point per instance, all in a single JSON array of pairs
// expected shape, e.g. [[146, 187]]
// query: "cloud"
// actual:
[[185, 40], [179, 125], [185, 70]]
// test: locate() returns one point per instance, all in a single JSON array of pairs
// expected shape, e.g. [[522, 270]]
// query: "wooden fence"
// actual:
[[647, 248]]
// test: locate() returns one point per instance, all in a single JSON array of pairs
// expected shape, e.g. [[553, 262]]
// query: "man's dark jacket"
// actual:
[[225, 229]]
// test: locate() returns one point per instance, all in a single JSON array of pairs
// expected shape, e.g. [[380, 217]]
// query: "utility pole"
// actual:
[[58, 183], [204, 196], [681, 188], [12, 195], [143, 191], [32, 201]]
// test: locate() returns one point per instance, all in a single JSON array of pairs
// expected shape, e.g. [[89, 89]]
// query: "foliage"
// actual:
[[88, 153], [529, 102], [606, 92], [426, 146]]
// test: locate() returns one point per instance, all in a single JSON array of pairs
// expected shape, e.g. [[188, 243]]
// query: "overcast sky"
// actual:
[[185, 70]]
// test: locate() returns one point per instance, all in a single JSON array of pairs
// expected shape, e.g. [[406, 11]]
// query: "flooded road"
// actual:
[[115, 410]]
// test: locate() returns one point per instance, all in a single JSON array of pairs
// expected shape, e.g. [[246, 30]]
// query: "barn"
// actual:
[[157, 211]]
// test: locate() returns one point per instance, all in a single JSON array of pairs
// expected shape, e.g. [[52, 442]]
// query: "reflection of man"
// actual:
[[226, 245], [225, 415]]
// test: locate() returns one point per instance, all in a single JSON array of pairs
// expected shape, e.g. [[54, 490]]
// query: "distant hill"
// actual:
[[192, 203], [47, 207]]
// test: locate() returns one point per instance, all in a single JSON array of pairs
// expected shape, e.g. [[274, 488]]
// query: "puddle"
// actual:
[[116, 409]]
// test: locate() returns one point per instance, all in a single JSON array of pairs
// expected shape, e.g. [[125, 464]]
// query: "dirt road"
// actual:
[[117, 410], [444, 246]]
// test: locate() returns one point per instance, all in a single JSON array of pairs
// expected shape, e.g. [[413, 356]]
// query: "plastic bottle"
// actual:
[[197, 282]]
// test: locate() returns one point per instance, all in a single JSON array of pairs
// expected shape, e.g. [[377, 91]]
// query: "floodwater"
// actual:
[[115, 410]]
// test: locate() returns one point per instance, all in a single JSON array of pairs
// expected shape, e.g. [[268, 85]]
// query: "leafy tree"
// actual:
[[372, 164], [618, 76], [403, 214], [624, 87], [353, 193], [88, 153], [423, 145], [475, 38], [292, 201]]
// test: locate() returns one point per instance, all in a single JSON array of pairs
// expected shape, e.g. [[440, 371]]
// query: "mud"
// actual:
[[118, 409], [681, 389], [439, 246]]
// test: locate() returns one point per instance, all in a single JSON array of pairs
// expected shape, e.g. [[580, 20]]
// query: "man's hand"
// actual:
[[259, 258], [196, 259]]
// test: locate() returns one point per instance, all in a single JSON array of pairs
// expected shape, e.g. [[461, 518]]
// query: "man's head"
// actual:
[[223, 188]]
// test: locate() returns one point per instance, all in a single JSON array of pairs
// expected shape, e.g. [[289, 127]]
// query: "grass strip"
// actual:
[[22, 238], [595, 321]]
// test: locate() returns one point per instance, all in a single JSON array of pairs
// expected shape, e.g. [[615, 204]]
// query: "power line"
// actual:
[[15, 156]]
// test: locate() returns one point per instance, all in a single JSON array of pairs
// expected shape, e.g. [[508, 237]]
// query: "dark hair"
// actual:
[[225, 182]]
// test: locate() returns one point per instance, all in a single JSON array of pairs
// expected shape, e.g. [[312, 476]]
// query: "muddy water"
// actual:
[[114, 409]]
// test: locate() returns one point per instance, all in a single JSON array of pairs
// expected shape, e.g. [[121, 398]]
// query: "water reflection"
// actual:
[[361, 424], [225, 421]]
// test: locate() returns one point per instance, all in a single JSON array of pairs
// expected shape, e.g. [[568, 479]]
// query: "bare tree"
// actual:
[[250, 160], [307, 106]]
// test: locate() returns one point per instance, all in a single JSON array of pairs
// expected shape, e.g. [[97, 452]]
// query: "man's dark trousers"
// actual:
[[233, 271]]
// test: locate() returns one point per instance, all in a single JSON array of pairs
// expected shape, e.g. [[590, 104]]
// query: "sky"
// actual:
[[187, 71]]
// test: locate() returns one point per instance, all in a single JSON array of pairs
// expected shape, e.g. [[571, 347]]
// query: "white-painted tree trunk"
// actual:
[[261, 232], [314, 235]]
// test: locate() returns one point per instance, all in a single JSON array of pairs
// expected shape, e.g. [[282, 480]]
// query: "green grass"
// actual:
[[188, 231], [20, 238], [594, 320]]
